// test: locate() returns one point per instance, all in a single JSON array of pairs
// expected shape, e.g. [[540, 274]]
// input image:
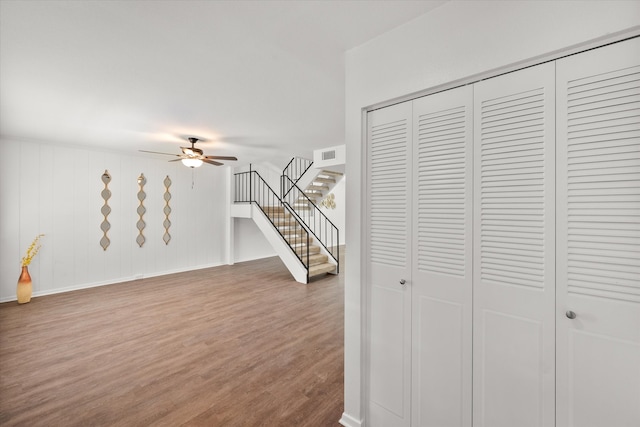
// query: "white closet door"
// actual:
[[442, 254], [598, 352], [514, 260], [389, 212]]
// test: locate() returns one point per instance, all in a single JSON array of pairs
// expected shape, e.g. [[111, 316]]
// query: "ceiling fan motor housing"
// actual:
[[192, 152]]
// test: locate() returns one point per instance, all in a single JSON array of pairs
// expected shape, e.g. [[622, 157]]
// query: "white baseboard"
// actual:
[[238, 261], [110, 282], [348, 421]]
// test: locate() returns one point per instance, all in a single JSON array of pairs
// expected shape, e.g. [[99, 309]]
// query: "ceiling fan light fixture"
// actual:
[[193, 157], [192, 163]]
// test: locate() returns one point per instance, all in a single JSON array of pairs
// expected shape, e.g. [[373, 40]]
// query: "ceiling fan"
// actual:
[[194, 157]]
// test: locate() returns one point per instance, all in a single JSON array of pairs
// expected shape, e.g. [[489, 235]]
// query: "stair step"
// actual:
[[316, 270], [325, 180], [293, 234], [284, 221], [279, 215], [301, 243], [302, 251], [273, 208], [292, 226], [332, 173], [303, 205], [318, 258], [317, 188]]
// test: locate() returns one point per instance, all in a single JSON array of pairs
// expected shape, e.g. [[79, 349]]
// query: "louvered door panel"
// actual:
[[514, 260], [389, 235], [442, 258], [512, 182], [598, 219], [389, 157], [441, 171]]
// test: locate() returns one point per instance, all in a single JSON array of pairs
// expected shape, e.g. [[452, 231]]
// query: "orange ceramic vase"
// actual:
[[24, 286]]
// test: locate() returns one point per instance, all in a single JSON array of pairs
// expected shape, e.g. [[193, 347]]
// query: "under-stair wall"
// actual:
[[249, 243]]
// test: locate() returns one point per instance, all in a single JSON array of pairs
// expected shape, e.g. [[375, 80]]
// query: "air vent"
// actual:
[[329, 155]]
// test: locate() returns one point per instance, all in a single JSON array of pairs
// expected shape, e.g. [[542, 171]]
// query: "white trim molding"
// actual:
[[348, 421]]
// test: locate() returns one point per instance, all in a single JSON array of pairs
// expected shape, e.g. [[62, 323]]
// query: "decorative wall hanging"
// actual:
[[329, 202], [166, 210], [141, 209], [105, 210]]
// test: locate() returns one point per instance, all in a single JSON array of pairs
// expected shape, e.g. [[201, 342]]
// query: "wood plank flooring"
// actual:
[[241, 345]]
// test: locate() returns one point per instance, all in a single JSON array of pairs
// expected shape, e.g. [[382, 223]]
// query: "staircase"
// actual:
[[321, 185], [303, 204], [302, 245], [295, 237]]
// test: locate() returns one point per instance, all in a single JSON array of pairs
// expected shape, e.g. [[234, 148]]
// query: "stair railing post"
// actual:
[[308, 266], [250, 179], [338, 247]]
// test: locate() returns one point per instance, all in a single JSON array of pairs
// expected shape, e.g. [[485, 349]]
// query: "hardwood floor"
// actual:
[[241, 345]]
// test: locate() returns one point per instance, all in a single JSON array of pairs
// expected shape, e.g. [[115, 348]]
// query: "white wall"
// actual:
[[55, 190], [249, 242], [340, 152], [456, 40], [268, 171]]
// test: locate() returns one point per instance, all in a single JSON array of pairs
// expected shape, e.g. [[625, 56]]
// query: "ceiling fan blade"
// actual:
[[211, 162], [176, 160], [157, 152], [221, 157]]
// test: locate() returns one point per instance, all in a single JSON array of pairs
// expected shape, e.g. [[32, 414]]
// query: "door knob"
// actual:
[[402, 281], [571, 315]]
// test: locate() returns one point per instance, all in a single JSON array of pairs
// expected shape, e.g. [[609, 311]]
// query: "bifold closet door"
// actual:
[[389, 265], [598, 208], [442, 259], [514, 242]]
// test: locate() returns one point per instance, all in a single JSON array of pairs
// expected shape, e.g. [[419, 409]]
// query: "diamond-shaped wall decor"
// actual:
[[167, 210], [141, 210], [105, 210]]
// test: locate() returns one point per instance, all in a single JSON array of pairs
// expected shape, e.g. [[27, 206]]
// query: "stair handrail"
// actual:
[[295, 169], [260, 192], [314, 226]]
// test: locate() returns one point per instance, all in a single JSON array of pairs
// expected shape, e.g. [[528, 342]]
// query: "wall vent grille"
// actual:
[[329, 155]]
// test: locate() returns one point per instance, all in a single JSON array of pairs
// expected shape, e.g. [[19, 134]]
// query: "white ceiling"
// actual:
[[257, 79]]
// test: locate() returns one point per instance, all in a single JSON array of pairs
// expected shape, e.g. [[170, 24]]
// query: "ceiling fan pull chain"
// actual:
[[192, 172]]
